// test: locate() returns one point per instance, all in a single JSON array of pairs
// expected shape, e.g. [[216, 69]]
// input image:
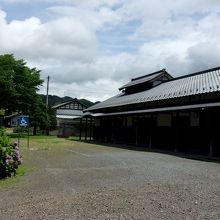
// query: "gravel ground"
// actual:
[[86, 181]]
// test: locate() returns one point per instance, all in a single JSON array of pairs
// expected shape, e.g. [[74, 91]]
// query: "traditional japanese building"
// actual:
[[159, 111], [67, 116]]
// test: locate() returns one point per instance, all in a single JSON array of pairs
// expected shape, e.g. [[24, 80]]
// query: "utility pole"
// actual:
[[48, 79]]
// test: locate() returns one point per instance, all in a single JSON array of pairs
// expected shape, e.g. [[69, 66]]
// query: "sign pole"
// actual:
[[28, 138], [19, 133], [24, 122]]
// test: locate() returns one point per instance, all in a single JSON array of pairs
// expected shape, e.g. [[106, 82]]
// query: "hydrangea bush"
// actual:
[[10, 157]]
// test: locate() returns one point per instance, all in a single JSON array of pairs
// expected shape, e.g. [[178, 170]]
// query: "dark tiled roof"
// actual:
[[146, 78], [161, 109], [197, 83]]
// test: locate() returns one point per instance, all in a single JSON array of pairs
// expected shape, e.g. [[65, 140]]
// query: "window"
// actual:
[[194, 119], [164, 120]]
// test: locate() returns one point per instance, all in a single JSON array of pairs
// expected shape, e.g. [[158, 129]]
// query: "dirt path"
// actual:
[[73, 180]]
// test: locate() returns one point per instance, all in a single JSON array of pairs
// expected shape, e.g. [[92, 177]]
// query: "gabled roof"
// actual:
[[146, 78], [11, 116], [202, 82], [62, 104], [69, 102]]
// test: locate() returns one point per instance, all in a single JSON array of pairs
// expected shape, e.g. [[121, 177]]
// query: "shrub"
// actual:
[[10, 157], [21, 130]]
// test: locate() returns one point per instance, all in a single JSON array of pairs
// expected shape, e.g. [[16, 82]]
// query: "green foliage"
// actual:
[[18, 84], [55, 100], [2, 111], [20, 130], [9, 156], [42, 117], [18, 91], [86, 102]]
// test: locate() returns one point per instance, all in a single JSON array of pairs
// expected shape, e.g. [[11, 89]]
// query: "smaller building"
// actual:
[[11, 120], [68, 116]]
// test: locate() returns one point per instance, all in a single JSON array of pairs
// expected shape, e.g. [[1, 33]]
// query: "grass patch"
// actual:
[[46, 147], [74, 138], [44, 142], [47, 140], [22, 169]]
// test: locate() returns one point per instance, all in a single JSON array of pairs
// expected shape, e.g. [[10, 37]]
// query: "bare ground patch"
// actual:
[[72, 180]]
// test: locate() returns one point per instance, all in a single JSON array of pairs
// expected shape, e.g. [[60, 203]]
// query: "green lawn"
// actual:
[[36, 143]]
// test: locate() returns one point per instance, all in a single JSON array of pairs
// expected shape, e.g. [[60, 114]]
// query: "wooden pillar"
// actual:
[[151, 131], [176, 132], [125, 130], [136, 131], [86, 129], [210, 129], [113, 129], [80, 129], [211, 152], [90, 129]]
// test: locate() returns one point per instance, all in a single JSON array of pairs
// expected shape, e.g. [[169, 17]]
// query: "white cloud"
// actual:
[[88, 47], [64, 38], [100, 89], [93, 19]]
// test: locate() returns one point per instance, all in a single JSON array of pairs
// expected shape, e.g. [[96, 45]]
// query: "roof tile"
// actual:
[[200, 83]]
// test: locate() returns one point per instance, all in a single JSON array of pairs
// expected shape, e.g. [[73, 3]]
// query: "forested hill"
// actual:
[[55, 100]]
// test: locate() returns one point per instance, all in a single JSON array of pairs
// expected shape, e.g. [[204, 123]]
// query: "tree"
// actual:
[[18, 84], [18, 92], [37, 114], [42, 117]]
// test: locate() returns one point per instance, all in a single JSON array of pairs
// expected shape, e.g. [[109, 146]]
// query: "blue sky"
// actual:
[[91, 47], [21, 11], [118, 38]]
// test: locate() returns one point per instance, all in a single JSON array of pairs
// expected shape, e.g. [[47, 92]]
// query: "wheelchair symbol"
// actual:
[[23, 121]]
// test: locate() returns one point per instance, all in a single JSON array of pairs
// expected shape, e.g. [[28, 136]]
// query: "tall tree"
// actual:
[[18, 90], [18, 84]]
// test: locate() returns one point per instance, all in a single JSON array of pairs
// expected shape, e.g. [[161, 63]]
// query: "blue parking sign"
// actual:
[[23, 120]]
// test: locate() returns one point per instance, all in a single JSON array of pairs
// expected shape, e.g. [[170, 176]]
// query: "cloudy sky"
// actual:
[[92, 47]]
